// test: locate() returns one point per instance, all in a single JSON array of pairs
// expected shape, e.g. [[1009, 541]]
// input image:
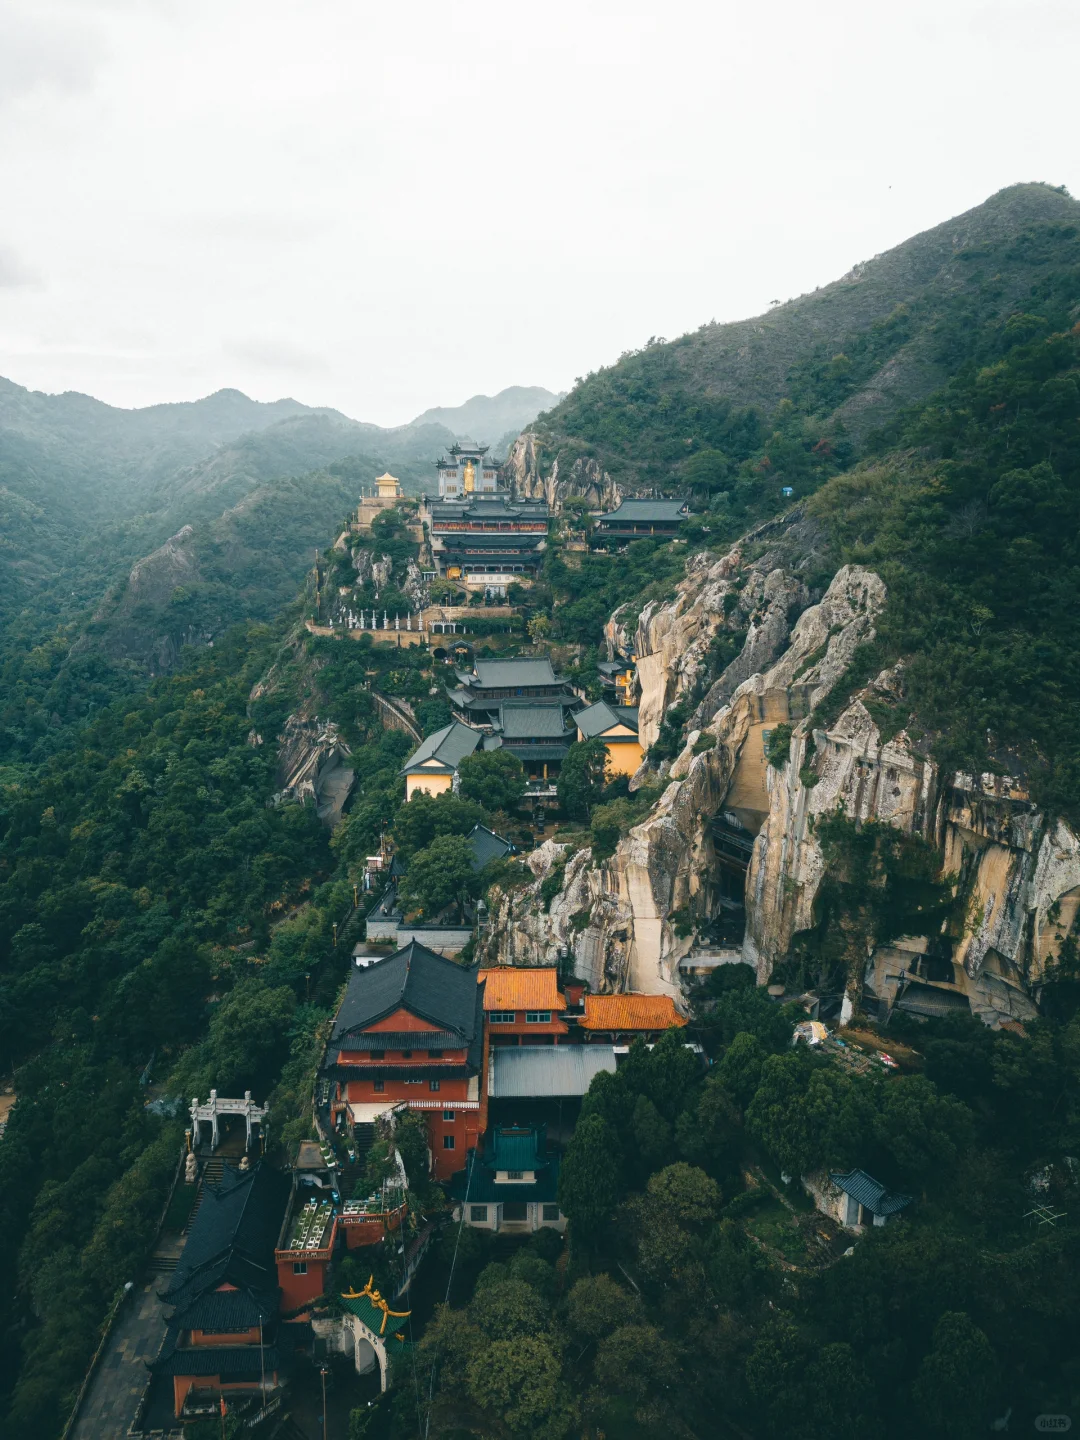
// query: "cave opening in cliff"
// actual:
[[733, 845]]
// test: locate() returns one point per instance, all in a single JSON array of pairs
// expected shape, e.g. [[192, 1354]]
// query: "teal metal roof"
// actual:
[[373, 1316], [516, 1149], [448, 746], [537, 1071], [478, 1185]]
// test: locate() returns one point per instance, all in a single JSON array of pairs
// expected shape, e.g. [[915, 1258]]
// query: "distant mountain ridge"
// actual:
[[487, 418], [91, 494], [852, 354]]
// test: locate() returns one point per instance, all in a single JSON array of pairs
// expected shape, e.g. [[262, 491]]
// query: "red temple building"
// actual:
[[523, 1006], [410, 1032]]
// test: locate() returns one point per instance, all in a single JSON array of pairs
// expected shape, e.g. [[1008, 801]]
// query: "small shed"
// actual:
[[855, 1198]]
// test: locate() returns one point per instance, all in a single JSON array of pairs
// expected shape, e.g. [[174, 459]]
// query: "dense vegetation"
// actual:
[[974, 526], [846, 357], [702, 1295], [167, 924]]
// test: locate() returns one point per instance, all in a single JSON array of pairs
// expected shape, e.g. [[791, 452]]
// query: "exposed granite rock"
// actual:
[[582, 476], [153, 583], [1018, 875], [311, 766]]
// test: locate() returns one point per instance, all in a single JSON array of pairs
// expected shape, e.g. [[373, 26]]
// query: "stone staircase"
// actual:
[[212, 1171]]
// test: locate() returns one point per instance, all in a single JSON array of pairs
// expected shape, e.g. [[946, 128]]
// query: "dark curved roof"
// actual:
[[219, 1360], [400, 1040], [227, 1311], [417, 979], [232, 1238], [481, 540]]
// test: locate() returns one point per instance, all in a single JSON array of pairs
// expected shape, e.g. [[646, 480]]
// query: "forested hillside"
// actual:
[[167, 915], [847, 357], [126, 534]]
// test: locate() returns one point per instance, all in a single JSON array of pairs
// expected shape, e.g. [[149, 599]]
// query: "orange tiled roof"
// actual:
[[513, 987], [629, 1012]]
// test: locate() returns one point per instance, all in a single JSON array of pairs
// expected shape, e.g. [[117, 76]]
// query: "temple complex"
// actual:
[[466, 469]]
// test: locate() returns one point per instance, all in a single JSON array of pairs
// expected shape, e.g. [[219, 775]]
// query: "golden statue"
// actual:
[[470, 477]]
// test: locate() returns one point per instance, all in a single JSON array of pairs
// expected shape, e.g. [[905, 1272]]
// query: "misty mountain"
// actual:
[[487, 418]]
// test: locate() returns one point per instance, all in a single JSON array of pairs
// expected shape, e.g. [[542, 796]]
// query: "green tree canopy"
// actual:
[[439, 875], [597, 1305], [956, 1386], [582, 778], [707, 472], [520, 1381], [495, 779], [589, 1178], [420, 820]]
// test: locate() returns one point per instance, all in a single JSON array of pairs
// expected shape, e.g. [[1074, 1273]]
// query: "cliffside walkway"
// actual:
[[112, 1403]]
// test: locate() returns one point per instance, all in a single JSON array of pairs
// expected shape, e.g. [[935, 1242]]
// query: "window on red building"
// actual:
[[299, 1267], [378, 1086], [448, 1142], [538, 1017], [448, 1114], [434, 1084]]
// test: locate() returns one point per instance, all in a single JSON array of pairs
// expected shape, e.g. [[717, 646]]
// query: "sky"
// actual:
[[387, 207]]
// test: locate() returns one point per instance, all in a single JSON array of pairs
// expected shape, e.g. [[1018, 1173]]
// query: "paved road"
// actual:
[[121, 1378]]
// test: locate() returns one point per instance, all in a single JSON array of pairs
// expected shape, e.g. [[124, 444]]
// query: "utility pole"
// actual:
[[322, 1372]]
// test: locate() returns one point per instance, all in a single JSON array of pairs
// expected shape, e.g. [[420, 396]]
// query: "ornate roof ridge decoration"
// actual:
[[370, 1294]]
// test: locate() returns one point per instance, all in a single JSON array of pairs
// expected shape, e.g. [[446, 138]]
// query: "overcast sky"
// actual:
[[388, 206]]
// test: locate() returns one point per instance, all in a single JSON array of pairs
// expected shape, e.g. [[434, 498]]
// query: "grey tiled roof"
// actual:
[[428, 985], [232, 1237], [646, 510], [227, 1311], [526, 671], [526, 750], [448, 746], [220, 1360], [525, 721], [487, 846], [595, 719], [491, 540], [398, 1040], [869, 1193]]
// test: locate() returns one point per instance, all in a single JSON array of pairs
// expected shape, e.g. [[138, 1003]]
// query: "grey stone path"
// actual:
[[122, 1376]]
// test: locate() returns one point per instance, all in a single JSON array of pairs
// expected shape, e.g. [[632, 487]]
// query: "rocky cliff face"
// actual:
[[616, 917], [311, 766], [1017, 875], [522, 473]]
